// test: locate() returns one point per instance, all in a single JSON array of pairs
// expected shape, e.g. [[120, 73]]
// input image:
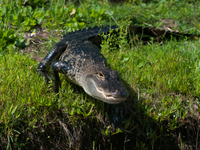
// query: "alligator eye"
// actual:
[[100, 74]]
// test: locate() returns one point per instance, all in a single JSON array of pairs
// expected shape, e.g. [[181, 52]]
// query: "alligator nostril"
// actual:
[[120, 93], [124, 93]]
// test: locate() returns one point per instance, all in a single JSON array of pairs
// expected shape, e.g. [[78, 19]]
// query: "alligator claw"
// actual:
[[46, 76]]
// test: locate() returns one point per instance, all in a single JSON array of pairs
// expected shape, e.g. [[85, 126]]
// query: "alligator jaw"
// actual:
[[104, 84], [113, 99], [110, 99]]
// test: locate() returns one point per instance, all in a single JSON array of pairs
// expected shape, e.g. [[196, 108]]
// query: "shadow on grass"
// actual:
[[86, 134], [139, 131]]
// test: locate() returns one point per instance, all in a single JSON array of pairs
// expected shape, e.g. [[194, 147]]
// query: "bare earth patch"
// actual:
[[38, 42]]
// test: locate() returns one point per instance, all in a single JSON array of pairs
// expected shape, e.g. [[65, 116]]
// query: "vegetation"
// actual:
[[160, 73]]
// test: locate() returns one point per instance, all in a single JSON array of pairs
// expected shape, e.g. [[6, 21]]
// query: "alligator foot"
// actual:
[[46, 76], [115, 117], [55, 80]]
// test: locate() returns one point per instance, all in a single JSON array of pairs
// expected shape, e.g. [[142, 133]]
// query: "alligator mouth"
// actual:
[[113, 99], [112, 96], [110, 99]]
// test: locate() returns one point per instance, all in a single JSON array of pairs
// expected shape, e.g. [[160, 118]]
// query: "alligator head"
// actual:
[[104, 84]]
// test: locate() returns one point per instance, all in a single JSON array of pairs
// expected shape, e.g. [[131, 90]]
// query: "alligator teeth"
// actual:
[[109, 95]]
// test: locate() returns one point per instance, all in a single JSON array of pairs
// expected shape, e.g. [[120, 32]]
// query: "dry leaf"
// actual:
[[73, 12]]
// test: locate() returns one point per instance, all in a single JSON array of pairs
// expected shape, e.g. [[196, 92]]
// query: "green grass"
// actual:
[[162, 78], [27, 100], [21, 96], [163, 74]]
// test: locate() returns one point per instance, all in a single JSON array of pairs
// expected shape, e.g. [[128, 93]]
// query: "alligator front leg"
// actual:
[[116, 118], [55, 80], [113, 112], [53, 55], [59, 66]]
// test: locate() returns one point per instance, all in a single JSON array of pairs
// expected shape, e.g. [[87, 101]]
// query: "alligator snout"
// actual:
[[120, 93]]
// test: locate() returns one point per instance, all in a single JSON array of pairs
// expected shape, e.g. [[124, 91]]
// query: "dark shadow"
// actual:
[[157, 34], [134, 114], [136, 133]]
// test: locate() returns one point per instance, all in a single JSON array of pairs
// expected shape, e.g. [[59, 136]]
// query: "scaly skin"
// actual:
[[82, 63]]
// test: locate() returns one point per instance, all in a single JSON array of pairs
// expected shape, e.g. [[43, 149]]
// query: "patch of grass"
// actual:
[[25, 16], [26, 101], [163, 74], [20, 96], [163, 79], [183, 13]]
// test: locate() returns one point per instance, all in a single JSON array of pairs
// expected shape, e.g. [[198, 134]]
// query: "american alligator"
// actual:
[[82, 63]]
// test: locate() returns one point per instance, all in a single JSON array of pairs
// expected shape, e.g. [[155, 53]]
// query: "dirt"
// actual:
[[37, 40]]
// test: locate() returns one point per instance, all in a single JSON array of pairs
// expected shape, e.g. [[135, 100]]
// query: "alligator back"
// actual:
[[86, 33], [82, 63]]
